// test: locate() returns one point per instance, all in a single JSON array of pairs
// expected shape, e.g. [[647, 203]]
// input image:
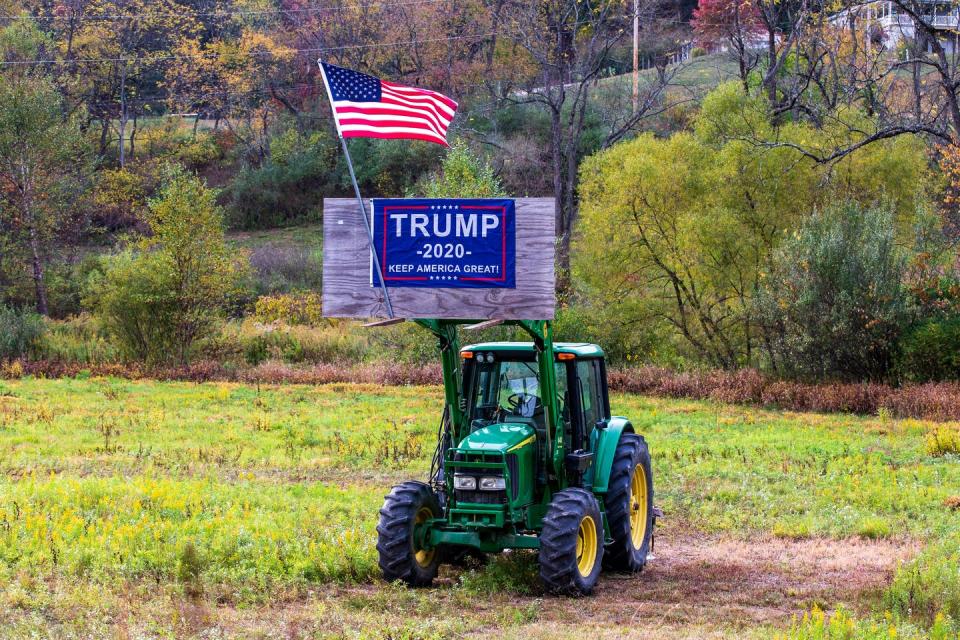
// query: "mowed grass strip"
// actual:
[[246, 490]]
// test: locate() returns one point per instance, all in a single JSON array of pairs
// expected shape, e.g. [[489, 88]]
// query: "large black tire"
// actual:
[[629, 505], [571, 543], [407, 505]]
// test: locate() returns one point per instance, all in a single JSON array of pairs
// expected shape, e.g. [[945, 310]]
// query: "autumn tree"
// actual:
[[569, 44], [832, 65], [42, 156], [112, 52], [233, 81]]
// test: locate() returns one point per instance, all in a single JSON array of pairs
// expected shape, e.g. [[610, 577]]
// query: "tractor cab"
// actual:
[[501, 385]]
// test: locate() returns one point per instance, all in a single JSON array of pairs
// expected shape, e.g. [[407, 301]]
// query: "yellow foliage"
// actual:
[[943, 440], [290, 309]]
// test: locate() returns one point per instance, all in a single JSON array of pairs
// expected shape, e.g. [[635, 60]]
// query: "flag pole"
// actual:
[[356, 190]]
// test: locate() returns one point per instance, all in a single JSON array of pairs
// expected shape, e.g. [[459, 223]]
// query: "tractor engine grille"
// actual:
[[513, 468], [482, 497]]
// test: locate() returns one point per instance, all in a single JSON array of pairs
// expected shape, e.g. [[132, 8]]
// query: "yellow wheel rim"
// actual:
[[638, 507], [422, 556], [586, 546]]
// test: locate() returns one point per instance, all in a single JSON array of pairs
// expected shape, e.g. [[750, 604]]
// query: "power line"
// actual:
[[152, 59], [198, 14], [198, 96]]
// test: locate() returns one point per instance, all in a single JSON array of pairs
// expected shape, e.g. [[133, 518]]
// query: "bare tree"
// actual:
[[570, 43]]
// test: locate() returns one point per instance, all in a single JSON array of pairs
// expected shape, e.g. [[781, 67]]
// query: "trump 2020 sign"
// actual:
[[447, 259], [445, 243]]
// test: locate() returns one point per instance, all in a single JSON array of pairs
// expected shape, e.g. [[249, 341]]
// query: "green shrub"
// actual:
[[462, 175], [170, 140], [165, 293], [930, 351], [80, 339], [199, 151], [833, 304], [386, 168], [19, 332], [287, 189], [272, 344]]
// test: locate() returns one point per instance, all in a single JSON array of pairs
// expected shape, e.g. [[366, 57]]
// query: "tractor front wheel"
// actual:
[[629, 505], [403, 556], [571, 543]]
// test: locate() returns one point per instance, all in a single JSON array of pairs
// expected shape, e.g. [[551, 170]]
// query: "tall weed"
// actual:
[[19, 332], [929, 584]]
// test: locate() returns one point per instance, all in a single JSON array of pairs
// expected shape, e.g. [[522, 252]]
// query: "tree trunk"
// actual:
[[947, 82], [133, 137], [39, 285], [771, 80], [104, 135], [559, 195], [123, 114]]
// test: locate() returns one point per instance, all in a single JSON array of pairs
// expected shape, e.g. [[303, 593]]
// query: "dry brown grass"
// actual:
[[698, 586], [931, 401]]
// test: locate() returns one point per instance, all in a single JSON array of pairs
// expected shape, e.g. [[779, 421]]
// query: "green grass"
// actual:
[[307, 236], [701, 74], [243, 493]]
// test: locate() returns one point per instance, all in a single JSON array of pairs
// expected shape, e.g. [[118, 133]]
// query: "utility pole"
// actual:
[[636, 55]]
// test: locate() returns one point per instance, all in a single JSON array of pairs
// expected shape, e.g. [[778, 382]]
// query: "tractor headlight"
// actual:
[[465, 483], [493, 484]]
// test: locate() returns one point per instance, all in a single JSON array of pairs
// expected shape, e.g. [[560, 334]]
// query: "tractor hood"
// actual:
[[499, 438]]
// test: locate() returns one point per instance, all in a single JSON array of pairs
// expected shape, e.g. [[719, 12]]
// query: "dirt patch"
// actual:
[[699, 581], [697, 586]]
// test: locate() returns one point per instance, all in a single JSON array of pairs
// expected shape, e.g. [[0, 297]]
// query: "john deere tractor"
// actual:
[[528, 457]]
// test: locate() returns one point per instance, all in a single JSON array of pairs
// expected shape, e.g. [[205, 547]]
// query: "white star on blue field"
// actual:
[[346, 84]]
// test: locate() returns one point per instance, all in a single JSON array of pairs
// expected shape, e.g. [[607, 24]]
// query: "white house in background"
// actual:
[[886, 25]]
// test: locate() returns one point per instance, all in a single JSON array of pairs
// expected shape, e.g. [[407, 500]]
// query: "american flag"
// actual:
[[367, 107]]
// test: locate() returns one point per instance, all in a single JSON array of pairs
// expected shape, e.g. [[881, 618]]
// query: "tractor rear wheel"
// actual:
[[402, 554], [629, 505], [571, 543]]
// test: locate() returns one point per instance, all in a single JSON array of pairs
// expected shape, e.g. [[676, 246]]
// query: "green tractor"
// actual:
[[528, 457]]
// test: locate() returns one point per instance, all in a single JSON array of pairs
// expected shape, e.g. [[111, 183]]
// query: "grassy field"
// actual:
[[139, 509]]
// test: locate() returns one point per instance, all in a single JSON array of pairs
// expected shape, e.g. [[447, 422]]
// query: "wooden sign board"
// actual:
[[349, 291]]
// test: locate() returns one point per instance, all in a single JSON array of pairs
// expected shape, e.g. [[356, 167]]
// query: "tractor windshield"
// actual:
[[508, 391]]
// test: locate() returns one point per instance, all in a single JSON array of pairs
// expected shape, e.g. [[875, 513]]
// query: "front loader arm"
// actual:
[[541, 331], [449, 343]]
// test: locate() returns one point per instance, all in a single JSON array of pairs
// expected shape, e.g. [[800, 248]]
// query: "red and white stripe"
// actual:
[[402, 112]]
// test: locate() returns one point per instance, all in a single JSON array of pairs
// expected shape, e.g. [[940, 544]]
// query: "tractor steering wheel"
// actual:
[[517, 400]]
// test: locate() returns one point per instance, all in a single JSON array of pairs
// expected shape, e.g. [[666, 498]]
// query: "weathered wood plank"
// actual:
[[346, 272]]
